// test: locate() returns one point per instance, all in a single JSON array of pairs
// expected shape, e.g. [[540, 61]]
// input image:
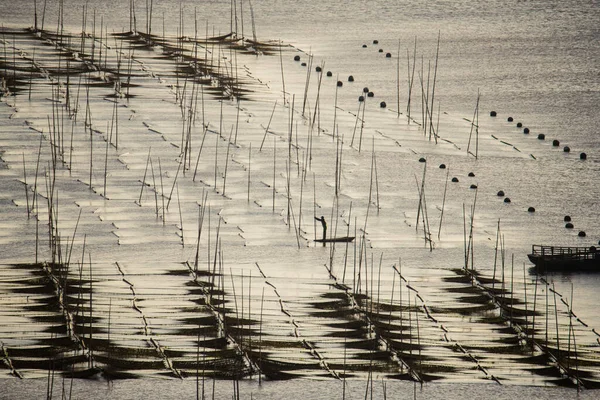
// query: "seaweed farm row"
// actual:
[[160, 198]]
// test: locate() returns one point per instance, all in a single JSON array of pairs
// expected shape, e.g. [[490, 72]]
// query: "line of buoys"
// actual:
[[382, 104], [442, 166], [541, 136], [507, 199], [296, 58], [471, 174], [500, 193], [455, 179], [340, 83], [350, 78], [329, 73], [567, 218], [531, 209]]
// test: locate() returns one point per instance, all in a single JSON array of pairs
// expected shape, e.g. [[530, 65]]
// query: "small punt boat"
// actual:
[[565, 258], [343, 239]]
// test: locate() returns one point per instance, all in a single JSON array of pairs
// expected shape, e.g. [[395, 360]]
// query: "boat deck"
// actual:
[[557, 257]]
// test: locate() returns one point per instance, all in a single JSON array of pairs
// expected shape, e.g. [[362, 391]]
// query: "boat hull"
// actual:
[[344, 239], [565, 258]]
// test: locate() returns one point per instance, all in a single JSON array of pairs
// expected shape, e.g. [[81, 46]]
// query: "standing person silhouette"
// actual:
[[324, 224]]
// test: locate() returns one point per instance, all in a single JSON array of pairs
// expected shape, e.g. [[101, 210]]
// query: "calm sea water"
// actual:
[[537, 61]]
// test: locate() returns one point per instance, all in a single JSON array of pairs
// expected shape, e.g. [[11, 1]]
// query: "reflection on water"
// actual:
[[181, 220]]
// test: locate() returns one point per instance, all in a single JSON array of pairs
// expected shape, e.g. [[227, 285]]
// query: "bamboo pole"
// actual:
[[249, 165], [411, 77], [398, 82], [268, 125], [282, 75], [180, 218], [162, 191], [144, 178], [226, 163], [437, 52], [274, 161], [205, 128], [556, 323], [26, 187], [475, 125], [155, 188]]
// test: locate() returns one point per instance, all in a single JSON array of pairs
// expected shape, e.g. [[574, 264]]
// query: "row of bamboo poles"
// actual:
[[241, 351]]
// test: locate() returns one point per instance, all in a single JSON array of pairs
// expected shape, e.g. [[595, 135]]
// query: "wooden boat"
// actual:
[[343, 239], [565, 258]]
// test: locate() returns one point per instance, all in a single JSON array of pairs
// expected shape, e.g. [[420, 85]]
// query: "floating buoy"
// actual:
[[531, 209], [567, 149], [365, 90], [473, 186], [382, 104], [388, 55], [364, 46], [569, 225], [581, 234], [340, 83], [510, 119], [303, 64], [296, 58], [329, 73], [318, 69], [361, 98], [555, 143], [507, 199], [455, 179], [422, 159], [350, 78], [471, 174], [500, 193], [567, 218], [493, 113], [442, 166], [381, 50], [519, 124], [541, 136], [371, 94], [375, 41], [582, 156], [526, 131]]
